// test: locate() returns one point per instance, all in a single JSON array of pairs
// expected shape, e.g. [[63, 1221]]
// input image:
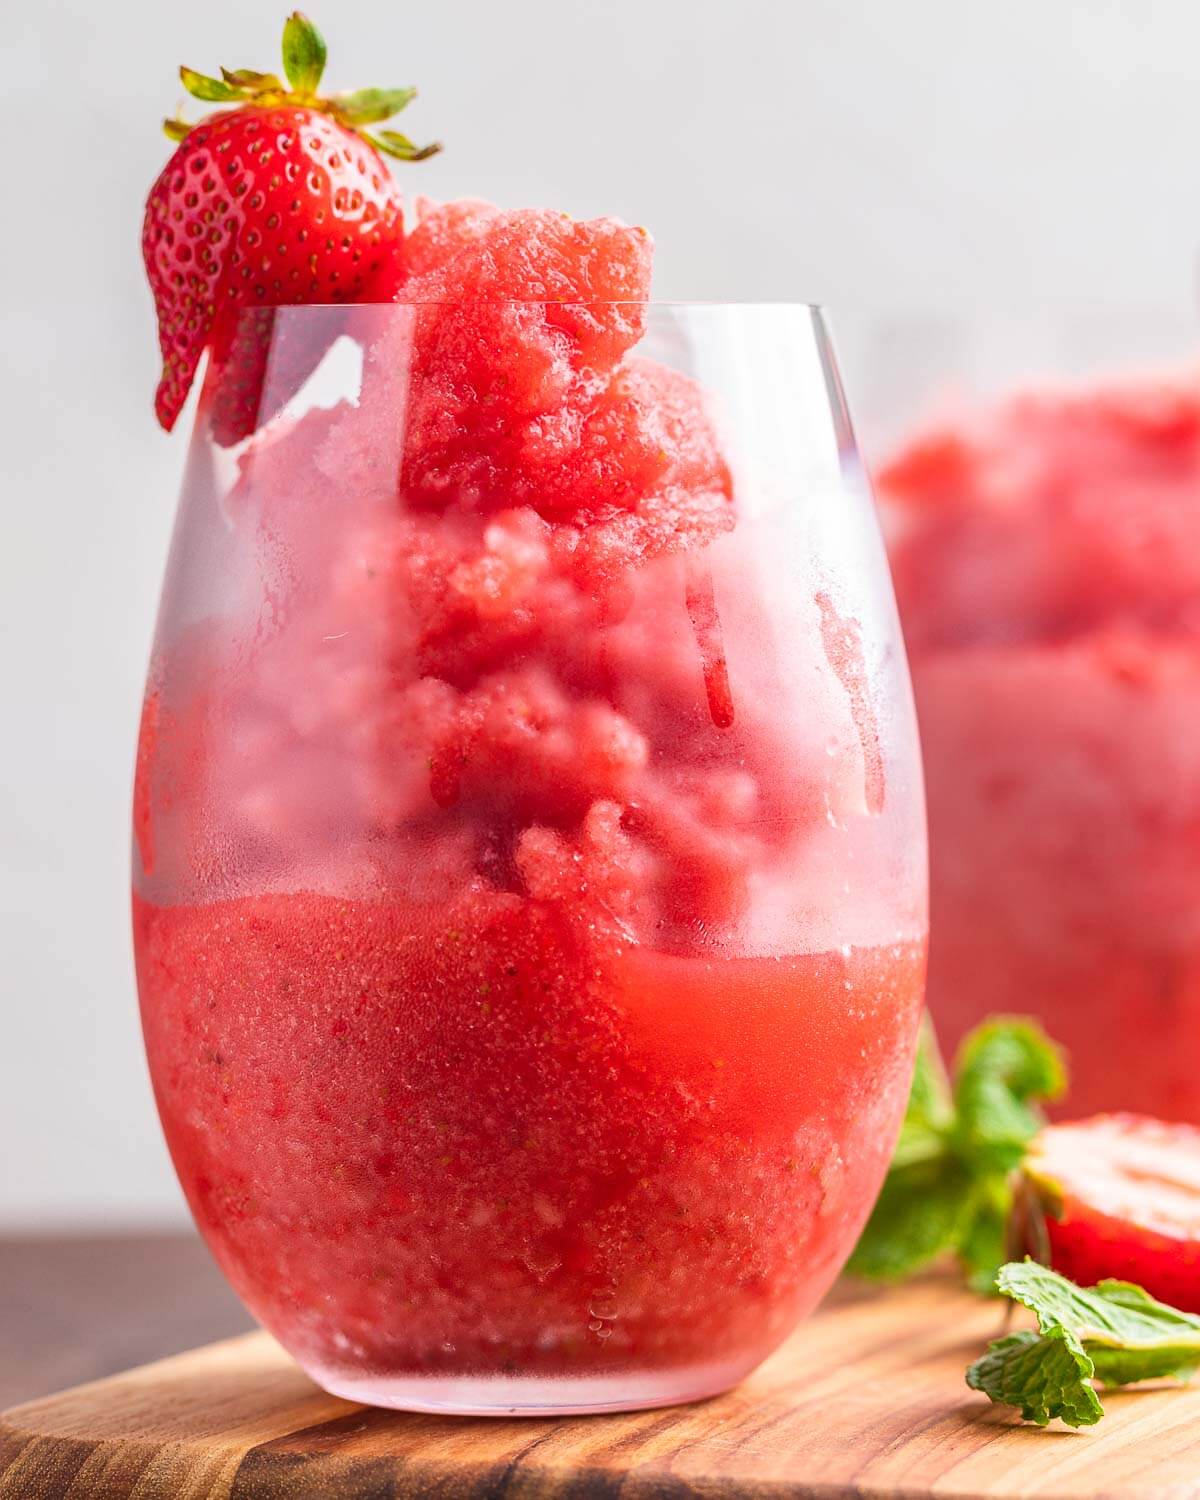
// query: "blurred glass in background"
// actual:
[[1039, 477]]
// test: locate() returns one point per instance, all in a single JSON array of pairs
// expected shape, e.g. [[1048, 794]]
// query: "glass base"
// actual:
[[533, 1396]]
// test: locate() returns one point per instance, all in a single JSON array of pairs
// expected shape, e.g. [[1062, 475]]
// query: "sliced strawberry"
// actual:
[[282, 199], [257, 368], [1120, 1195]]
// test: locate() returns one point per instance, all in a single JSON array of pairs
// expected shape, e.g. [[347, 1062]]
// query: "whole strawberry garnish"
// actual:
[[283, 198]]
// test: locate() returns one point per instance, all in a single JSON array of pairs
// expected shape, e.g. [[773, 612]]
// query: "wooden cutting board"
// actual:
[[867, 1400]]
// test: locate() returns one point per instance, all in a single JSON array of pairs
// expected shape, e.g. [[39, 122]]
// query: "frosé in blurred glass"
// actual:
[[1046, 548]]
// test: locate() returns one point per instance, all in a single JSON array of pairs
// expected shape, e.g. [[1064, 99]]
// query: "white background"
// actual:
[[876, 155]]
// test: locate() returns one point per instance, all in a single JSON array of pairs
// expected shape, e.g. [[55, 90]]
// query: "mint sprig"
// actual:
[[1113, 1332], [949, 1187]]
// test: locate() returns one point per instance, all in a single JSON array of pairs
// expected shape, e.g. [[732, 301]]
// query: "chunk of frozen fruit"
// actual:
[[520, 748], [649, 430], [596, 874], [442, 230], [524, 325]]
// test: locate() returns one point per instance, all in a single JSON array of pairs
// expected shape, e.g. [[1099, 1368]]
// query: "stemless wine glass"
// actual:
[[529, 884], [1040, 477]]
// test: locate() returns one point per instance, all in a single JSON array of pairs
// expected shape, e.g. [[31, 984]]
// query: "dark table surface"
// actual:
[[75, 1308]]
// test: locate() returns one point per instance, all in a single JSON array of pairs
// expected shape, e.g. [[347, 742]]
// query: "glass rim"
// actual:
[[712, 304]]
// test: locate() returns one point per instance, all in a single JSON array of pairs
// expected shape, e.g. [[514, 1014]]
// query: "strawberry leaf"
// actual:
[[304, 57], [175, 129], [304, 53], [247, 78], [368, 106], [399, 146], [200, 86]]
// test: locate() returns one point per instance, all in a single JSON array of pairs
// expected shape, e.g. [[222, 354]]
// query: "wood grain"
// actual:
[[867, 1400]]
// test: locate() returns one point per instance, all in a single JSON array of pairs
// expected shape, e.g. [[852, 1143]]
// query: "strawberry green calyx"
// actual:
[[304, 55]]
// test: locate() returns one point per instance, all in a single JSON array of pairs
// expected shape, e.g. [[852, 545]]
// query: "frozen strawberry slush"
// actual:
[[490, 1037], [1047, 564]]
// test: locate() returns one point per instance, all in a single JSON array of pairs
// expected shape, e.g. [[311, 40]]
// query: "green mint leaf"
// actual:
[[1113, 1314], [1003, 1068], [304, 53], [1045, 1375], [920, 1214], [1126, 1366], [1113, 1332], [369, 106], [983, 1244], [930, 1109], [950, 1186], [200, 86]]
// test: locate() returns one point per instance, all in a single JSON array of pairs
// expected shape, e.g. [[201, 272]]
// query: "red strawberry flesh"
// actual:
[[1122, 1199]]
